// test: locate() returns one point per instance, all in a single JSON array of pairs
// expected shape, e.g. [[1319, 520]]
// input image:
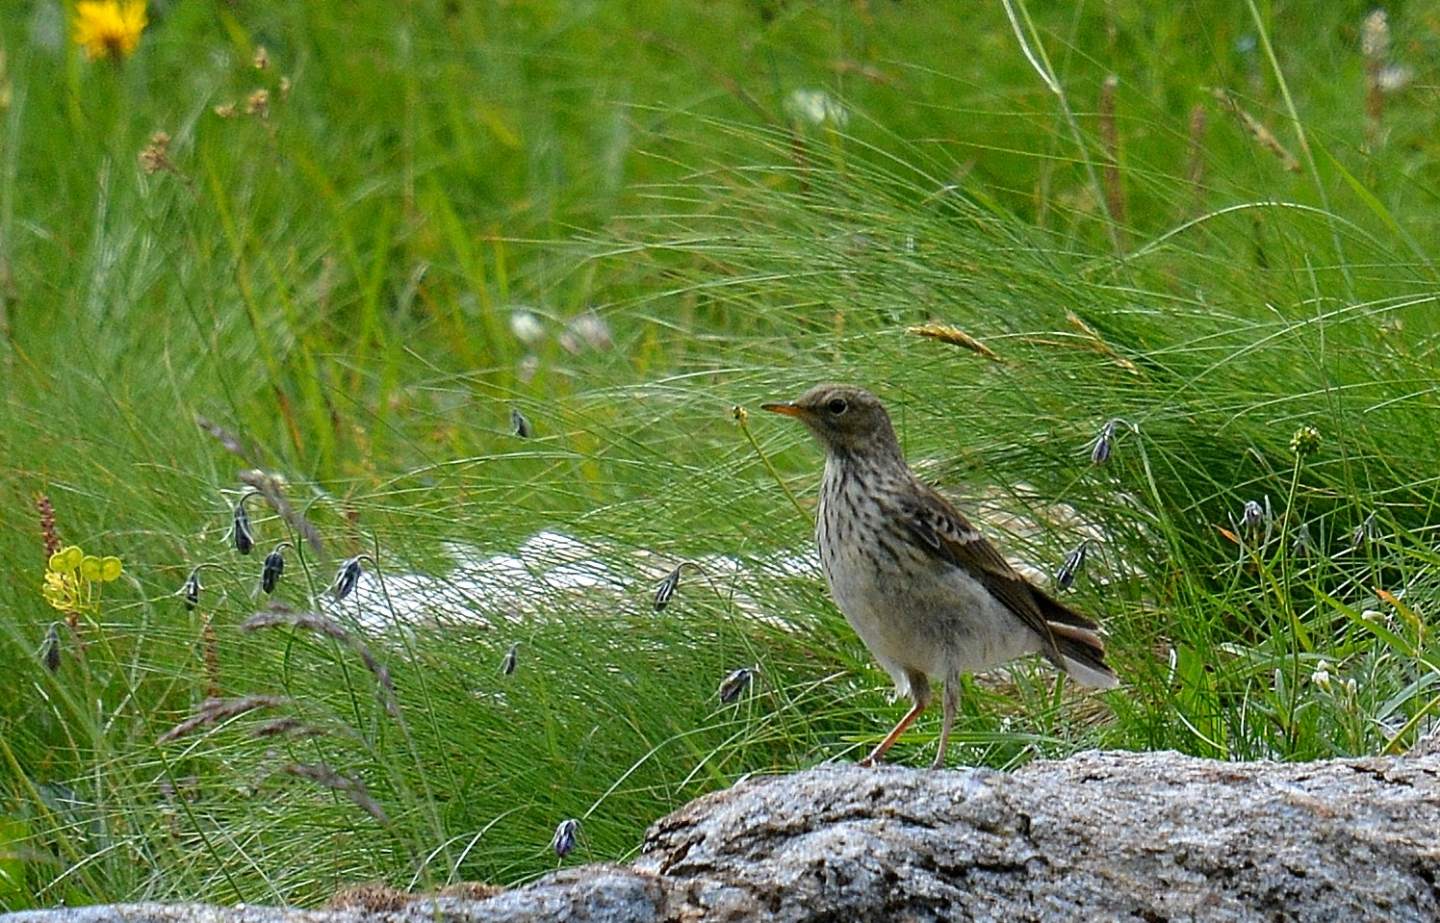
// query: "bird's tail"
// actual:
[[1082, 655], [1078, 644]]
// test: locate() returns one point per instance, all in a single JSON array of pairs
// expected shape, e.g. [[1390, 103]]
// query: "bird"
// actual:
[[927, 593]]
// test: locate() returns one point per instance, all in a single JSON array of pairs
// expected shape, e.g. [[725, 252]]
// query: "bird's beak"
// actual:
[[788, 408]]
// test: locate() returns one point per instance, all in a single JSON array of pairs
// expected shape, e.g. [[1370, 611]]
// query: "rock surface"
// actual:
[[1112, 836]]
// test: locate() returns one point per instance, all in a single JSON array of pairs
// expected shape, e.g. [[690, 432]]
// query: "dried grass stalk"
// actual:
[[1262, 135], [1098, 344], [272, 488], [354, 789], [216, 710], [1375, 46], [277, 614], [1110, 141], [1195, 159], [946, 333]]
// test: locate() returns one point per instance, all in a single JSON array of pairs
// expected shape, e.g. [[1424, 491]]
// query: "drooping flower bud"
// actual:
[[50, 653], [190, 590], [1073, 564], [1100, 452], [736, 683], [667, 589], [240, 529], [273, 569], [520, 424], [347, 578], [564, 840]]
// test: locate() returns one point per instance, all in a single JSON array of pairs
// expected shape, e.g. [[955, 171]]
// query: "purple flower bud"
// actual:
[[240, 529], [1364, 533], [667, 589], [348, 578], [1304, 545], [1073, 564], [191, 589], [564, 840], [736, 683], [1252, 517], [1100, 453], [50, 653], [270, 573], [520, 424]]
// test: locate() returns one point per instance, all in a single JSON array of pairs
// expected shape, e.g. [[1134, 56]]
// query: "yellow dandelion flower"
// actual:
[[109, 28]]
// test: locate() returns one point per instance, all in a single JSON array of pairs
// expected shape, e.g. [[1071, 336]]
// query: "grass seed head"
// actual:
[[587, 330], [947, 333], [258, 104], [215, 710], [1305, 442], [155, 156], [354, 789], [278, 614], [1375, 36], [48, 532], [289, 727]]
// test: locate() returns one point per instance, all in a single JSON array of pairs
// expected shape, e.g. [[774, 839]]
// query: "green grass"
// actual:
[[336, 284]]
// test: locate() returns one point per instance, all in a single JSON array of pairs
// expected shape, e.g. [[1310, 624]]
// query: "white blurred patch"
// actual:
[[484, 589], [1395, 77], [816, 107], [554, 572], [587, 330], [526, 327]]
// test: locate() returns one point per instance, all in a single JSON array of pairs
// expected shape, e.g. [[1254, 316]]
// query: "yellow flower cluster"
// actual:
[[109, 28], [73, 579]]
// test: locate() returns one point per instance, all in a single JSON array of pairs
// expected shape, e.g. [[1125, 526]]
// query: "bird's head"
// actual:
[[846, 420]]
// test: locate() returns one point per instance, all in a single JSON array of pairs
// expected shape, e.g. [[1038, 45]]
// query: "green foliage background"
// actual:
[[336, 283]]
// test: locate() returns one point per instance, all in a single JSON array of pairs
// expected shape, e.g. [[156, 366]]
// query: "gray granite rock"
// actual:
[[1099, 836]]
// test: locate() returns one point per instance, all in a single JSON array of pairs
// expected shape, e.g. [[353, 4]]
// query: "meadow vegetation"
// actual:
[[372, 230]]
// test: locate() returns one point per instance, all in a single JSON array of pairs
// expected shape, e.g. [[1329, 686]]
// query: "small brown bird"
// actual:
[[925, 591]]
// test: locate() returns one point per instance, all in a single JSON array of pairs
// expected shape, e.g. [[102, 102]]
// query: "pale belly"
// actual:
[[937, 621]]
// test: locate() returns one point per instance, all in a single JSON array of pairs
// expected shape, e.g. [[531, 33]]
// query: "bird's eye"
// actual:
[[837, 406]]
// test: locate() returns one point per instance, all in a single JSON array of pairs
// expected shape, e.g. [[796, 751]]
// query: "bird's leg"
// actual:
[[952, 704], [920, 691]]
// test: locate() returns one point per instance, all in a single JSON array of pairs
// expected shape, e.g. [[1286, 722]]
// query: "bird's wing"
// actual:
[[944, 532]]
